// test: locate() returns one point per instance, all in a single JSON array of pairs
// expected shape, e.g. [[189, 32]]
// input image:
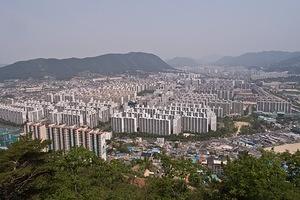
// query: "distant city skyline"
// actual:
[[73, 28]]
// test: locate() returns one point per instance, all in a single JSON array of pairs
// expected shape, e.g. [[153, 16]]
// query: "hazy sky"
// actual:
[[168, 28]]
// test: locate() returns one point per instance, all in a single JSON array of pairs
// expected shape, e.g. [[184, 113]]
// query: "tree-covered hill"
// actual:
[[28, 172], [67, 68], [266, 60]]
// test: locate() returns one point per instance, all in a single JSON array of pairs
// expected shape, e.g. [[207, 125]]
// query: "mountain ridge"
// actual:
[[183, 61], [66, 68], [192, 62], [292, 65], [267, 60], [262, 58]]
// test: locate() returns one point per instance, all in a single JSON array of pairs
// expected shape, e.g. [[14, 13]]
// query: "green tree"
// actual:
[[257, 178], [69, 181], [166, 188], [292, 165], [23, 168], [79, 174]]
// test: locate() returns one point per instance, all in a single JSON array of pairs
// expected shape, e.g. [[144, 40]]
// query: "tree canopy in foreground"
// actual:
[[29, 172]]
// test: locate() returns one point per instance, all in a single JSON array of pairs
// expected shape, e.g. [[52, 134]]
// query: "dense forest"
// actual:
[[27, 171]]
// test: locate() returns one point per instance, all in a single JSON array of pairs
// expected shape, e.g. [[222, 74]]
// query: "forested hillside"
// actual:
[[28, 172]]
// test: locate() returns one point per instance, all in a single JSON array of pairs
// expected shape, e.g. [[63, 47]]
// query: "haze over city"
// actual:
[[150, 99], [71, 28]]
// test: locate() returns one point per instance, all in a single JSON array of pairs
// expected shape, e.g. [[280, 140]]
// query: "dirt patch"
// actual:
[[292, 148], [239, 124]]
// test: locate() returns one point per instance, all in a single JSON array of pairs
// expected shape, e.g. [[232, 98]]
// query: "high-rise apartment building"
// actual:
[[273, 105], [167, 120], [65, 137], [12, 114]]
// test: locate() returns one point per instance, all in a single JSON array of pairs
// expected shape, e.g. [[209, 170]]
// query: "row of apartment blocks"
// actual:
[[64, 137], [219, 86], [273, 105], [60, 96], [34, 112], [165, 120], [75, 112], [19, 115], [63, 112], [12, 114], [80, 113], [104, 93], [221, 94], [221, 107], [118, 90], [78, 117], [197, 118], [131, 122]]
